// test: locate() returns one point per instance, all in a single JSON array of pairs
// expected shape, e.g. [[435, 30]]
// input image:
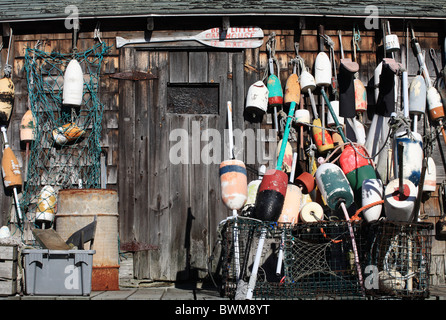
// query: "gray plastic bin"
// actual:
[[58, 272]]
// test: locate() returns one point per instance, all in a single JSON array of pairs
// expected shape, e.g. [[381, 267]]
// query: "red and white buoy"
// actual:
[[256, 102]]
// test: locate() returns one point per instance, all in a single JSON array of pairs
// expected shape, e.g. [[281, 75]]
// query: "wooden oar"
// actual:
[[244, 37]]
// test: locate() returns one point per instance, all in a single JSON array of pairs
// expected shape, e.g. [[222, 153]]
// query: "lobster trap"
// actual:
[[399, 257], [317, 259]]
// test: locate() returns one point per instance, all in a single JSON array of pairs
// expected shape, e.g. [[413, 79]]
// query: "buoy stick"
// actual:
[[355, 249], [255, 267], [400, 167], [333, 114]]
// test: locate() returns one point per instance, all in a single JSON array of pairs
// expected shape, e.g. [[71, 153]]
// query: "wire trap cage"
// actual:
[[318, 260], [400, 255]]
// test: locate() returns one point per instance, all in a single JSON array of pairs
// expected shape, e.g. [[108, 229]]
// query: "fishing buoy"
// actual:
[[275, 93], [6, 99], [12, 177], [330, 120], [322, 71], [372, 191], [302, 116], [69, 132], [253, 188], [73, 84], [256, 102], [311, 212], [292, 91], [356, 167], [436, 111], [360, 97], [287, 157], [391, 281], [430, 179], [333, 185], [391, 43], [417, 98], [27, 127], [318, 134], [46, 204], [233, 181], [398, 206], [293, 197], [271, 195], [306, 182], [4, 232], [412, 156]]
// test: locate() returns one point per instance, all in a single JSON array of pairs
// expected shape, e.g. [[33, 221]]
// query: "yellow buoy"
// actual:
[[6, 99], [27, 126]]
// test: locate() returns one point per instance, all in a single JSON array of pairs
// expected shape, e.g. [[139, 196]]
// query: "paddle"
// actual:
[[247, 37]]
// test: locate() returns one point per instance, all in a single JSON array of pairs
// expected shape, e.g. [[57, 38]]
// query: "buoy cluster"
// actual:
[[348, 170]]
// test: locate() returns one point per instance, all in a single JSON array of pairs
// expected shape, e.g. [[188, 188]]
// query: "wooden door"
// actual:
[[171, 208]]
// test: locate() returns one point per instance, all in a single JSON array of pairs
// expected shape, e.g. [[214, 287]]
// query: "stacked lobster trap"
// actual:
[[315, 261]]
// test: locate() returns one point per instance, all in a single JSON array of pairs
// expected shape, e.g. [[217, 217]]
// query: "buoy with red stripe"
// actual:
[[372, 193], [7, 94], [272, 189], [233, 177], [73, 84], [256, 102]]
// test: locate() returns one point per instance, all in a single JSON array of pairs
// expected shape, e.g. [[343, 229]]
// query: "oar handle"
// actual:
[[333, 114], [285, 136]]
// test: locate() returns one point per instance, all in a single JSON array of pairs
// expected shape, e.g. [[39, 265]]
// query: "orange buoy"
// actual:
[[67, 133], [27, 126], [292, 91], [12, 177], [6, 99], [317, 135], [46, 204], [234, 186]]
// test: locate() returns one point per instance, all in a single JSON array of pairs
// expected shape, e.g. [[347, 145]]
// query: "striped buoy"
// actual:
[[311, 212], [275, 93], [256, 102], [333, 185], [436, 111], [412, 156], [73, 84], [6, 99], [292, 91], [271, 195], [372, 191], [356, 167], [233, 182], [399, 205], [430, 179], [46, 204]]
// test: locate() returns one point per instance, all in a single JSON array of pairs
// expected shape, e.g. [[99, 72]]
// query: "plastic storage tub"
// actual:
[[58, 272]]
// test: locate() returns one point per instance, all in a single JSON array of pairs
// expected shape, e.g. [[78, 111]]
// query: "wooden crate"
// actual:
[[8, 270]]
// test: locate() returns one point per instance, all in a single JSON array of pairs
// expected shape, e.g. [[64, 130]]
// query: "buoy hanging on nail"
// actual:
[[334, 186], [256, 102], [6, 99], [292, 91], [73, 84], [372, 192], [275, 92]]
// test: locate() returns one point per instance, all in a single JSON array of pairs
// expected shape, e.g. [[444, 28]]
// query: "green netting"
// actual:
[[71, 164]]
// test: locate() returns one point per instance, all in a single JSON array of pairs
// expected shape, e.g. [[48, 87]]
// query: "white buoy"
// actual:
[[322, 72], [412, 156], [253, 187], [430, 179], [302, 116], [398, 206], [330, 120], [311, 212], [256, 102], [73, 84], [372, 191]]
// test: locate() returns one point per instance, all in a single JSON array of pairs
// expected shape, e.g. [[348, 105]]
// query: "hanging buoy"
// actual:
[[275, 93], [356, 167], [287, 157], [6, 99], [391, 41], [253, 188], [372, 191], [317, 135], [46, 204], [311, 212], [302, 116], [412, 156], [430, 179], [417, 98], [360, 97], [330, 120], [73, 84], [322, 71], [12, 177], [292, 91], [69, 132], [27, 127], [436, 111], [359, 130], [233, 181], [271, 195], [399, 205], [333, 185], [256, 102]]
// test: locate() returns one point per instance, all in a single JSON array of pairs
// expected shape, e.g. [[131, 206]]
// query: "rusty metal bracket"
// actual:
[[133, 75], [134, 246]]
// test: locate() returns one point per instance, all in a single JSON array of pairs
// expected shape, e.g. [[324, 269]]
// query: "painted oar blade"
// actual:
[[241, 43]]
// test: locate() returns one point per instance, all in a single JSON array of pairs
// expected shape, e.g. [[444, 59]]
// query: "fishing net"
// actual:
[[75, 163]]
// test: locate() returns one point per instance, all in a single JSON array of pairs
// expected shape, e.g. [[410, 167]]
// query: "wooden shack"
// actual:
[[169, 212]]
